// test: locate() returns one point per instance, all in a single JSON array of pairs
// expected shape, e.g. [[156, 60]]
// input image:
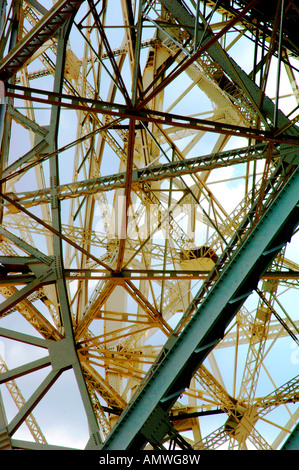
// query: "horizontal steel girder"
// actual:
[[148, 174], [145, 420]]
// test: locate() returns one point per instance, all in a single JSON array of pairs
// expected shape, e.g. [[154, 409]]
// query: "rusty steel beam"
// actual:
[[156, 117]]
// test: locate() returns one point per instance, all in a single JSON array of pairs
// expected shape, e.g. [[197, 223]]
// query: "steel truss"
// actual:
[[149, 215]]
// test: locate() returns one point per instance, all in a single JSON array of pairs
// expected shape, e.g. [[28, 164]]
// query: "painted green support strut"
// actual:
[[145, 419], [292, 443]]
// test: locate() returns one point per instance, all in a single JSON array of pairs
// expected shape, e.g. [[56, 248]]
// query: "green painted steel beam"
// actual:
[[37, 36], [145, 419], [25, 121], [154, 116], [34, 252], [25, 369], [19, 444]]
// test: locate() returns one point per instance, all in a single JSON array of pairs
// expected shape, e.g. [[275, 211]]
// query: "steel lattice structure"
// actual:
[[149, 213]]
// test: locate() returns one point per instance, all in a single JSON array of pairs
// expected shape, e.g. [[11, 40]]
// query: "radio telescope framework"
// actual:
[[149, 213]]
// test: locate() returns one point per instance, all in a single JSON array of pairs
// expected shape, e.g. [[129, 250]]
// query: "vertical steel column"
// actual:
[[5, 443], [65, 312]]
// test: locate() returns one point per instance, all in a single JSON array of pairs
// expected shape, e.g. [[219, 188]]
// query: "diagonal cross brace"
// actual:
[[36, 37], [162, 388], [266, 109]]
